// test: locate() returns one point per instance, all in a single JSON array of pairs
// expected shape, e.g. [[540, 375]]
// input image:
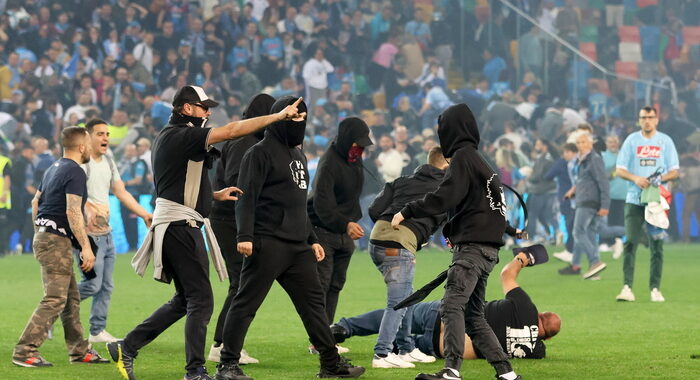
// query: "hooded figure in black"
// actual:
[[472, 193], [223, 216], [275, 235], [334, 205]]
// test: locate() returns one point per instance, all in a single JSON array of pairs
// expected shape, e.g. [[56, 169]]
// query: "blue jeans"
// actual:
[[585, 235], [100, 287], [398, 274]]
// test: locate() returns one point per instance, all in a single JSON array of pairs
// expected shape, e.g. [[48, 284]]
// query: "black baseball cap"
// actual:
[[193, 94]]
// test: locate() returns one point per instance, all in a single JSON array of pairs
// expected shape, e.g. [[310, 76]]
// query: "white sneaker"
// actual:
[[102, 337], [595, 269], [656, 296], [247, 359], [341, 349], [626, 294], [564, 256], [416, 356], [617, 248], [215, 353], [390, 361], [604, 248]]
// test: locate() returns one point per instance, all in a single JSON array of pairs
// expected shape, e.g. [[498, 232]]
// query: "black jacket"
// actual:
[[229, 165], [398, 193], [335, 198], [471, 190], [274, 179]]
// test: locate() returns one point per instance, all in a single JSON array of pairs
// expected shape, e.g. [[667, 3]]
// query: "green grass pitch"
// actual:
[[600, 338]]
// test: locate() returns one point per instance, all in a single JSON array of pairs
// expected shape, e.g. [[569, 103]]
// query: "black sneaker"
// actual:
[[503, 378], [343, 369], [230, 371], [443, 374], [91, 357], [569, 270], [35, 361], [340, 333], [201, 374], [123, 360]]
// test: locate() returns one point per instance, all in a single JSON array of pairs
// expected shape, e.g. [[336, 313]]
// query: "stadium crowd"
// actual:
[[395, 64]]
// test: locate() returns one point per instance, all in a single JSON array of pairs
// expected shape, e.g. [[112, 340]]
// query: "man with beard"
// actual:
[[276, 236], [334, 206], [181, 152], [57, 211], [223, 215], [475, 229]]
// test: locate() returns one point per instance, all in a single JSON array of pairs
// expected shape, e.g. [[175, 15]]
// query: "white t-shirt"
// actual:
[[315, 73], [99, 182]]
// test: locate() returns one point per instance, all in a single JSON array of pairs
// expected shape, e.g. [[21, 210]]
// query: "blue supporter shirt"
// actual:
[[273, 47], [643, 156]]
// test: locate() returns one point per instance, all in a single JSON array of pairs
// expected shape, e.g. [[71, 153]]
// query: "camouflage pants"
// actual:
[[61, 297]]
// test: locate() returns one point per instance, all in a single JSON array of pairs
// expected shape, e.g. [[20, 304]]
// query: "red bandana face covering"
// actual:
[[355, 153]]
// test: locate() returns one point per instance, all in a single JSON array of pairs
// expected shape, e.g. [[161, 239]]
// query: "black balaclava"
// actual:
[[259, 105], [288, 132]]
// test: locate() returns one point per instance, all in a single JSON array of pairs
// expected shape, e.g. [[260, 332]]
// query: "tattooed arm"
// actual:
[[77, 226], [35, 209]]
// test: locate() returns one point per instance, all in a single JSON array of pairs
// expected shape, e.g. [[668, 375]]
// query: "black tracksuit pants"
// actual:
[[293, 265], [332, 271], [225, 231], [185, 259]]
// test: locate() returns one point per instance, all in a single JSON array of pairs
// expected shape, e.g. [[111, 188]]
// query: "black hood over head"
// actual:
[[457, 128], [351, 130], [259, 105], [290, 133]]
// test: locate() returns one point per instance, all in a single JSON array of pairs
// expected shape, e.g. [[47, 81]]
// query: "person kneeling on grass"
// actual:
[[519, 327]]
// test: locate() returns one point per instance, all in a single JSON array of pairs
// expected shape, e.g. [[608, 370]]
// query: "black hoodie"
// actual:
[[403, 190], [471, 190], [228, 167], [335, 198], [274, 179]]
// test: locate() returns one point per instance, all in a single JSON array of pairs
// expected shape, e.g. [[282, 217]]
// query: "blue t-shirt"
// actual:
[[65, 176], [643, 156], [618, 186], [273, 47]]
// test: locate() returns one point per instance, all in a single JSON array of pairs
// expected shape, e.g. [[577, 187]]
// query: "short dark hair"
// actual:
[[90, 125], [650, 109], [571, 147], [70, 137]]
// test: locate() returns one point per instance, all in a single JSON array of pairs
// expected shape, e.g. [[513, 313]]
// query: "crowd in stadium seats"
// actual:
[[396, 64]]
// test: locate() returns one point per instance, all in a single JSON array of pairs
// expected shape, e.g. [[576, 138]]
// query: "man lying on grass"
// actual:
[[519, 327]]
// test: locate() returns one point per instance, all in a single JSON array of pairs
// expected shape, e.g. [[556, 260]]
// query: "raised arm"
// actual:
[[510, 272], [241, 128]]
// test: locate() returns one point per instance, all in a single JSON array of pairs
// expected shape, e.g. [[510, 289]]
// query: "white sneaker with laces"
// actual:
[[604, 248], [215, 353], [626, 294], [564, 256], [390, 361], [617, 248], [102, 337], [341, 349], [416, 356], [247, 359], [656, 296]]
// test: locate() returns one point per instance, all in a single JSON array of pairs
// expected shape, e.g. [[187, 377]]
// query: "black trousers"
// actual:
[[332, 271], [463, 306], [293, 265], [185, 259], [131, 227], [225, 231]]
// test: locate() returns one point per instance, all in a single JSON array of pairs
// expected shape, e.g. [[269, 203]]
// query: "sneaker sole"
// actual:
[[391, 366], [413, 360], [598, 270], [624, 299], [25, 365]]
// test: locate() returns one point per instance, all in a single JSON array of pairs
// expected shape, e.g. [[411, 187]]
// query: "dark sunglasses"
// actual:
[[205, 108]]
